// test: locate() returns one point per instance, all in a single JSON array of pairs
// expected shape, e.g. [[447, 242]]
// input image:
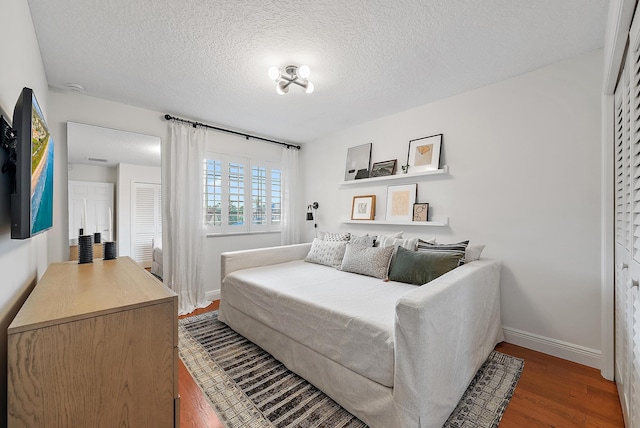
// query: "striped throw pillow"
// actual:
[[458, 247]]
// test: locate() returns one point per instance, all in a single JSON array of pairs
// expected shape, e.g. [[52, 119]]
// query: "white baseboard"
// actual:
[[557, 348], [212, 295]]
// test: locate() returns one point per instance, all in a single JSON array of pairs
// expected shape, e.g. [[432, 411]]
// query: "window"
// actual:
[[241, 195]]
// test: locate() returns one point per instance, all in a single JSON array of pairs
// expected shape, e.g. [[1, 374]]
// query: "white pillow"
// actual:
[[370, 261], [328, 253], [384, 237], [408, 243], [473, 252]]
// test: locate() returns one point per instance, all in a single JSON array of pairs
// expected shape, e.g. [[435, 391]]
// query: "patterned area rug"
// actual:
[[247, 387]]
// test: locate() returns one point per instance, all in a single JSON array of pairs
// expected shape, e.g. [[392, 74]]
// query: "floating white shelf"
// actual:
[[438, 222], [408, 177]]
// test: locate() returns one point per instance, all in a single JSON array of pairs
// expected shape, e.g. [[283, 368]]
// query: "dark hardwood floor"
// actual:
[[551, 393]]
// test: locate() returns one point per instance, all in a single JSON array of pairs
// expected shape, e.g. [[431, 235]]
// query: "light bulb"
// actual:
[[282, 87], [303, 72], [274, 73], [309, 88]]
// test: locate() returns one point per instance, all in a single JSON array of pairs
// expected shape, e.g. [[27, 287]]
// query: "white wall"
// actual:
[[525, 171], [21, 262], [103, 174], [127, 175]]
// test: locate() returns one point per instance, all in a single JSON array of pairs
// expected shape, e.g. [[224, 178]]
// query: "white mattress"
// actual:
[[346, 317]]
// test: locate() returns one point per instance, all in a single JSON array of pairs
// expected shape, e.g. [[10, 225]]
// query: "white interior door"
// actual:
[[633, 294], [627, 220], [98, 198], [621, 254]]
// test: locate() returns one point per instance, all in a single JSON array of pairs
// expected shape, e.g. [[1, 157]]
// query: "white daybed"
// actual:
[[393, 354], [156, 264]]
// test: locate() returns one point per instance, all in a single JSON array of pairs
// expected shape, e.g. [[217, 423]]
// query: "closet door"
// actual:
[[627, 298], [621, 253]]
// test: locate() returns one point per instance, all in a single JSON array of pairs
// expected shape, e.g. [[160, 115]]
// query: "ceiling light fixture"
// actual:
[[292, 74]]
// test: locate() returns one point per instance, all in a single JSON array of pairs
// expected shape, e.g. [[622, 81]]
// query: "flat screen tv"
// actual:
[[32, 196]]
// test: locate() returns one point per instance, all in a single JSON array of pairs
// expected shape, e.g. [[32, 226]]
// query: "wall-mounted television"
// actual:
[[32, 167]]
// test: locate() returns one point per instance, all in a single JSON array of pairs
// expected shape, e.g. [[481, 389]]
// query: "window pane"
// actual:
[[276, 196], [213, 192], [236, 194], [259, 195]]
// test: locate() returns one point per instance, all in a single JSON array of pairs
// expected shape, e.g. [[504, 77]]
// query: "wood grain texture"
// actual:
[[90, 289], [115, 368], [553, 392], [195, 409]]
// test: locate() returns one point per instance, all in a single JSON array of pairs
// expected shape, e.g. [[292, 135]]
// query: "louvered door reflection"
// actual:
[[146, 222]]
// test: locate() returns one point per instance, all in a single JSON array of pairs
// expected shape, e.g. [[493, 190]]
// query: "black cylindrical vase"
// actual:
[[85, 249], [110, 250]]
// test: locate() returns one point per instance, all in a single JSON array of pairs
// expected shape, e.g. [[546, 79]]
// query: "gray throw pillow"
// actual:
[[370, 261], [459, 247], [420, 267], [366, 240], [328, 253]]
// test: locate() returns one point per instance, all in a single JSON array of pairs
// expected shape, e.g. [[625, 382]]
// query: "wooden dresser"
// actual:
[[95, 345]]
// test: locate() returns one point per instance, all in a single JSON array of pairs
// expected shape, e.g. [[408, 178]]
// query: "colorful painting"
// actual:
[[41, 171]]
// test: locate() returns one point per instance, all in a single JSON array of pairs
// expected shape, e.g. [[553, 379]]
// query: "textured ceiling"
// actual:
[[207, 60]]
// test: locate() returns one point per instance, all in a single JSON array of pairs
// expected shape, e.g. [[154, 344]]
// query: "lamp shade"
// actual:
[[309, 89], [282, 87], [274, 73], [303, 71]]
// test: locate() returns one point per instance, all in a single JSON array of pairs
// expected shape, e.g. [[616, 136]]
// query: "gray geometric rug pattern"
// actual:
[[247, 387], [486, 399]]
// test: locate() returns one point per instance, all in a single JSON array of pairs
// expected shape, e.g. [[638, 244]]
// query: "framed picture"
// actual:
[[363, 207], [358, 159], [424, 153], [420, 212], [400, 200], [382, 169]]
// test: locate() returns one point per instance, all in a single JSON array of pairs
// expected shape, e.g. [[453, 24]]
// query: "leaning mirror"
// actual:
[[115, 191]]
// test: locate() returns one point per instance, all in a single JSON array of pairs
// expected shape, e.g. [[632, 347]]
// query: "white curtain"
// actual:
[[184, 217], [290, 233]]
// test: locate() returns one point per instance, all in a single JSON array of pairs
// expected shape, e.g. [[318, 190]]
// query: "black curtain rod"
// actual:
[[247, 136]]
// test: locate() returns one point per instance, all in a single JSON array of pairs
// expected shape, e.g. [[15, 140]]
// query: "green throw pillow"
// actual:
[[413, 267]]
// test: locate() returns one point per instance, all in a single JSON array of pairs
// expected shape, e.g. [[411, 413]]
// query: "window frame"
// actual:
[[248, 209]]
